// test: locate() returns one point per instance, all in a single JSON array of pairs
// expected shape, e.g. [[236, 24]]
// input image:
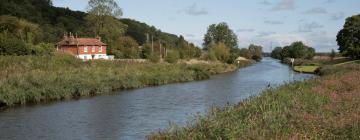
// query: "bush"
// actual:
[[172, 57], [10, 45], [154, 57]]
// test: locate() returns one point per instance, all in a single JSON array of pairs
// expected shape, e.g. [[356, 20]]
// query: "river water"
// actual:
[[136, 113]]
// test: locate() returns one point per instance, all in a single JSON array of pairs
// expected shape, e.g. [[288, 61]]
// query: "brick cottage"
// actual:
[[83, 48]]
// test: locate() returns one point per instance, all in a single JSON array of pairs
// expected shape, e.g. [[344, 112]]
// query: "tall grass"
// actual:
[[324, 108], [32, 79]]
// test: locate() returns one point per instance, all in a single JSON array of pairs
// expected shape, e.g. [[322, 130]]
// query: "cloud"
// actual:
[[194, 10], [337, 16], [316, 10], [329, 1], [265, 33], [284, 5], [309, 27], [273, 22], [245, 30], [190, 35], [265, 2]]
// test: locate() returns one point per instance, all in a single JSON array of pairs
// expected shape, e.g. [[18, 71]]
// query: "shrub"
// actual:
[[172, 57]]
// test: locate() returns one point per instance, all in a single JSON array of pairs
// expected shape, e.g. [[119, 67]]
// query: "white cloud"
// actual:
[[309, 27], [316, 10], [337, 16], [245, 30], [273, 22], [284, 5], [194, 10]]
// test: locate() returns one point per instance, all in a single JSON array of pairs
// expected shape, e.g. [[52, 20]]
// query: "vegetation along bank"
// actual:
[[32, 79], [322, 108]]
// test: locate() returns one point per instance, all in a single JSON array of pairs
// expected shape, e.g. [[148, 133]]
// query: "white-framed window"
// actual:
[[85, 49], [93, 49], [100, 49]]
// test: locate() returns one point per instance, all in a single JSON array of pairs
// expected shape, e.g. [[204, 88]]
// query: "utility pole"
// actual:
[[160, 48], [152, 43]]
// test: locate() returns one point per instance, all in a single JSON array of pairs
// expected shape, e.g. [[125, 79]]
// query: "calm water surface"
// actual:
[[134, 114]]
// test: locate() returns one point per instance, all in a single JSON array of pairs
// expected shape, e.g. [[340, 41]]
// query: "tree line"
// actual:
[[31, 34]]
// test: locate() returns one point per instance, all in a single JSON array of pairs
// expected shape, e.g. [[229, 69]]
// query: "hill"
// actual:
[[55, 21]]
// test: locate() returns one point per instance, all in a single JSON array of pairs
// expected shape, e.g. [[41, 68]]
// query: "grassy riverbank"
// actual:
[[323, 108], [32, 79]]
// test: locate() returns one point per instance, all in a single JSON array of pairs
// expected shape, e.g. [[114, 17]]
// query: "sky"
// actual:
[[269, 23]]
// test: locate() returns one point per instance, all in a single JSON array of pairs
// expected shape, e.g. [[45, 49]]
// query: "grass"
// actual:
[[34, 79], [306, 69], [323, 108]]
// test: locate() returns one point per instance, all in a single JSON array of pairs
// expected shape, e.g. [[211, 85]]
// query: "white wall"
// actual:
[[89, 56]]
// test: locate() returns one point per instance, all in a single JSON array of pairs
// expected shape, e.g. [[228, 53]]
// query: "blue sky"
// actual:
[[263, 22]]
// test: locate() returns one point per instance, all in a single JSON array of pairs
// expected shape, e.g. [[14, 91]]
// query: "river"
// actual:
[[133, 114]]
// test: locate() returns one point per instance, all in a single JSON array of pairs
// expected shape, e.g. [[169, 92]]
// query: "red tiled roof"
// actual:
[[81, 41]]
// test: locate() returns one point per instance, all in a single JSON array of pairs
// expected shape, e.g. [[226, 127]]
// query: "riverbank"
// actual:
[[324, 108], [34, 79]]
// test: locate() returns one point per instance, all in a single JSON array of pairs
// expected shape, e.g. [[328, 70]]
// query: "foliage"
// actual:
[[101, 19], [324, 108], [222, 53], [276, 53], [32, 79], [53, 22], [11, 45], [256, 52], [172, 57], [43, 49], [125, 47], [348, 38], [221, 32], [332, 54], [297, 50], [244, 52], [154, 57], [20, 28]]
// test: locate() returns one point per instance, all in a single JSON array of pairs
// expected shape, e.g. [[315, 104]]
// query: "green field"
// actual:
[[306, 69]]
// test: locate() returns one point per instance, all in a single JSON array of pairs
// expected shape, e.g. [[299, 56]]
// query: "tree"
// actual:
[[222, 53], [244, 52], [296, 50], [103, 19], [332, 54], [126, 47], [256, 52], [348, 38], [22, 29], [218, 33], [276, 53], [11, 45]]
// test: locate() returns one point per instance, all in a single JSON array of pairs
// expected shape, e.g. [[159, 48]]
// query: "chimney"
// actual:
[[65, 36], [98, 37]]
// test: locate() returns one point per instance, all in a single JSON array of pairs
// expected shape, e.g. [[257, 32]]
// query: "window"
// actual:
[[93, 49], [100, 49], [85, 49]]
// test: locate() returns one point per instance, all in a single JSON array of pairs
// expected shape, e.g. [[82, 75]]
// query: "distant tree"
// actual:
[[103, 19], [276, 53], [256, 52], [22, 29], [43, 49], [244, 52], [218, 33], [126, 47], [332, 54], [348, 38], [297, 50]]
